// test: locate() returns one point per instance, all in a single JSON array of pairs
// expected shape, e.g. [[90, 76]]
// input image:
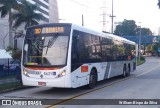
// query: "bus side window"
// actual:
[[74, 46], [75, 57], [74, 54]]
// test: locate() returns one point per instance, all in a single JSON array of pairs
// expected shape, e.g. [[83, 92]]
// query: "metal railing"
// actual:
[[10, 74]]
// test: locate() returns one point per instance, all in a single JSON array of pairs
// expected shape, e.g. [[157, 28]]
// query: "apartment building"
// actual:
[[48, 8]]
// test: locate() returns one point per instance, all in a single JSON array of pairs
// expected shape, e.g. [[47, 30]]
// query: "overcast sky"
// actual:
[[144, 11]]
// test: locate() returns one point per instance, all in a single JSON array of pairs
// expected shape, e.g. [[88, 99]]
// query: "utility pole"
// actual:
[[82, 20], [83, 5], [104, 15], [112, 18], [139, 43]]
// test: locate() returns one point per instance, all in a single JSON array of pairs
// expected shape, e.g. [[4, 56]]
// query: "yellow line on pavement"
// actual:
[[116, 82], [53, 106]]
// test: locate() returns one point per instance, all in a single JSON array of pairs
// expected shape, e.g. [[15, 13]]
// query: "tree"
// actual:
[[149, 47], [144, 32], [27, 15], [6, 9], [127, 28]]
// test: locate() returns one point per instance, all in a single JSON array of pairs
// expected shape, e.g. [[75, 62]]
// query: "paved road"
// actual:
[[142, 84]]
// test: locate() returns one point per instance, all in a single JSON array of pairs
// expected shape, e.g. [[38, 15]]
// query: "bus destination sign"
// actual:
[[49, 30], [37, 31], [54, 30]]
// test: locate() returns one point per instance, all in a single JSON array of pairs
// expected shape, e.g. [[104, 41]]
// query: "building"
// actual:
[[53, 11], [43, 7], [48, 8], [4, 40]]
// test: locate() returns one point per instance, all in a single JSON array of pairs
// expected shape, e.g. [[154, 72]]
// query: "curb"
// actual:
[[15, 89]]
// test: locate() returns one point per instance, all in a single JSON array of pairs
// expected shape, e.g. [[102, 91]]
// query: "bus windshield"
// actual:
[[45, 51]]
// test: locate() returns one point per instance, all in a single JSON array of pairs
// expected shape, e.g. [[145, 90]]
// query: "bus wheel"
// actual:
[[92, 80], [124, 72]]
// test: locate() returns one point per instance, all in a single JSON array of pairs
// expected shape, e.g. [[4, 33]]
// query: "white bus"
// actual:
[[65, 55]]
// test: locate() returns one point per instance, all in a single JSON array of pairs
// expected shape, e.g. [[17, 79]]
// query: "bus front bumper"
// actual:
[[56, 82]]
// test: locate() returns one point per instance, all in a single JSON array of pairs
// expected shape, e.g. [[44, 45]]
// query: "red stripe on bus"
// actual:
[[42, 68]]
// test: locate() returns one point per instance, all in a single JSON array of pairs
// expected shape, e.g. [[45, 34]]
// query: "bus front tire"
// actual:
[[92, 80]]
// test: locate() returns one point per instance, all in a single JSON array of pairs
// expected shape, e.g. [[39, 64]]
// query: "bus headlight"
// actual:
[[63, 73], [25, 73]]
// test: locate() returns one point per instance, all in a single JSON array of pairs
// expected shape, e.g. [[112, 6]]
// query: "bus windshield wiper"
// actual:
[[38, 44], [51, 42]]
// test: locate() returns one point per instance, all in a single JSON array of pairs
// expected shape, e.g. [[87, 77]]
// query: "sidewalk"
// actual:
[[9, 80]]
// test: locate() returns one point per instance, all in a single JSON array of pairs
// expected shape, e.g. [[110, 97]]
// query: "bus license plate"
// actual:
[[42, 83]]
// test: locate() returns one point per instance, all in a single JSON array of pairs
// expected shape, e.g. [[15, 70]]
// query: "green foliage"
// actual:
[[156, 46], [27, 15], [146, 31], [24, 14], [149, 47], [142, 58], [7, 6], [129, 28]]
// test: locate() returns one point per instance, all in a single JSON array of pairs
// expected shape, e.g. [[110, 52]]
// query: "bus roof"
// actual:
[[107, 35], [87, 30]]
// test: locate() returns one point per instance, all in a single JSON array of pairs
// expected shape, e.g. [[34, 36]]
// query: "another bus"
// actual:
[[65, 55]]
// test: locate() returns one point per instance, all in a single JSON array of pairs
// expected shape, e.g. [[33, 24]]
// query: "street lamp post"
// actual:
[[82, 20], [61, 20], [139, 44], [112, 18]]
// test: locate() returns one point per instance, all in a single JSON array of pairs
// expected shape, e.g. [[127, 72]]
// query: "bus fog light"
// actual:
[[25, 73], [63, 73]]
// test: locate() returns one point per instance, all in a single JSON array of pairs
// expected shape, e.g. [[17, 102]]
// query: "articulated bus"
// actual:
[[65, 55]]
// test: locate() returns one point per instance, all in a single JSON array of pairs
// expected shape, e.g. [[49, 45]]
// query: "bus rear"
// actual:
[[45, 56]]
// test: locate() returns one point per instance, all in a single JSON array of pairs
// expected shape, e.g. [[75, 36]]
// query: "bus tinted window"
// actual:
[[85, 48], [88, 48], [105, 44]]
